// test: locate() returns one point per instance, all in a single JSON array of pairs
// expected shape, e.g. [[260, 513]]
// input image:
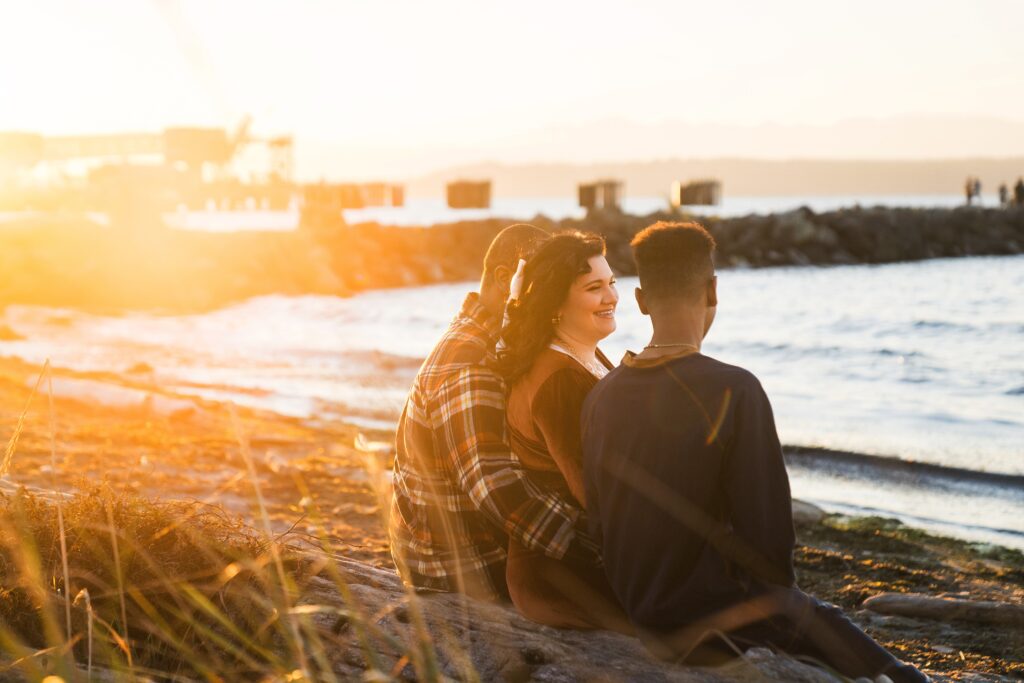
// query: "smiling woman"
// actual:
[[568, 296], [552, 362]]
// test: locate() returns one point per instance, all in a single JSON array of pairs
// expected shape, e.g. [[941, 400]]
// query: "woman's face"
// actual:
[[588, 314]]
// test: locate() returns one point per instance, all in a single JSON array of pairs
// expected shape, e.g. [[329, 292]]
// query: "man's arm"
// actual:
[[470, 420], [760, 505]]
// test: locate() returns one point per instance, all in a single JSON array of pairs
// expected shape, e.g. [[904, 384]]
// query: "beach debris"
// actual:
[[946, 609]]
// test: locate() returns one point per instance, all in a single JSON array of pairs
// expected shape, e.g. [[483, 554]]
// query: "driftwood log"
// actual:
[[946, 609]]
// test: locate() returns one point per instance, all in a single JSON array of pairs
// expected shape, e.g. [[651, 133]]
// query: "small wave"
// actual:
[[1019, 391], [913, 473], [943, 325], [794, 349], [900, 354], [1016, 328]]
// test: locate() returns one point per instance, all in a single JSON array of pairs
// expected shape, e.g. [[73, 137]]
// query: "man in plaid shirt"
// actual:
[[460, 493]]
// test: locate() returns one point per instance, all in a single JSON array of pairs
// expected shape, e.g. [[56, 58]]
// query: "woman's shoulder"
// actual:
[[562, 373]]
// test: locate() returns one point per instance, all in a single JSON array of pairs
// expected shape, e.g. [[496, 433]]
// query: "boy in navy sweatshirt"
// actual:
[[687, 490]]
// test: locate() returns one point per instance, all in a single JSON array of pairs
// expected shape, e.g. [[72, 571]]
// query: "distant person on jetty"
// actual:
[[1004, 195], [972, 188], [561, 305], [460, 495], [687, 489], [1018, 192]]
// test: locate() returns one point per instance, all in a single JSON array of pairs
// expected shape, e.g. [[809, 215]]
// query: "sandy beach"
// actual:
[[118, 431]]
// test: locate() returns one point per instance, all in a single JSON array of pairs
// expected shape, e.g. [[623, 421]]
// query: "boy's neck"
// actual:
[[675, 334]]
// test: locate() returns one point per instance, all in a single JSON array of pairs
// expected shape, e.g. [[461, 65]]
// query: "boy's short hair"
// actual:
[[516, 241], [673, 260]]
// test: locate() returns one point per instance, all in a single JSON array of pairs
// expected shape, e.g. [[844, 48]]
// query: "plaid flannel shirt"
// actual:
[[459, 491]]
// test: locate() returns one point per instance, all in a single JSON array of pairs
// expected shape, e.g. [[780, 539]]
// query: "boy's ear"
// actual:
[[502, 277], [641, 300], [712, 291]]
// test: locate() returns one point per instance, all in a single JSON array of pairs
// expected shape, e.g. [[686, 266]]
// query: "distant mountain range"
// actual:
[[901, 154], [740, 177]]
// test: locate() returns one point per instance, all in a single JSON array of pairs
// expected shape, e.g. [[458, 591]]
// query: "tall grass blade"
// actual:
[[84, 595], [119, 575], [355, 615], [60, 503], [12, 445], [246, 452], [424, 654]]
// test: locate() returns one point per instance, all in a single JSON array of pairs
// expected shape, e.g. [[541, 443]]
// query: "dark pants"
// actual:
[[790, 621]]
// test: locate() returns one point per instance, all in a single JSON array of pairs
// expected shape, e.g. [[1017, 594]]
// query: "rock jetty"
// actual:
[[69, 261]]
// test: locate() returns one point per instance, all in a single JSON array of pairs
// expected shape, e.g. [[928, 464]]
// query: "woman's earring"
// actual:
[[557, 319]]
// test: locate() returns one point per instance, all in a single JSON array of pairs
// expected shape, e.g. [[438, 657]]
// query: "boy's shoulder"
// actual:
[[696, 364], [732, 374]]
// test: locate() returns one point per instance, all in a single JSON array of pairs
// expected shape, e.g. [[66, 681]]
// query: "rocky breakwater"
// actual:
[[391, 256], [848, 236], [382, 256], [71, 262]]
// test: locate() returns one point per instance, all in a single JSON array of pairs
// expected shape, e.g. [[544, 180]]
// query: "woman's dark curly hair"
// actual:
[[547, 278]]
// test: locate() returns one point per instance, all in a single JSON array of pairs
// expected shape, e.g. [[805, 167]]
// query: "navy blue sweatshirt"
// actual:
[[686, 488]]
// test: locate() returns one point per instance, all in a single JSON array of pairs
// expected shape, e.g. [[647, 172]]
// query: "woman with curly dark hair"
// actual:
[[565, 306]]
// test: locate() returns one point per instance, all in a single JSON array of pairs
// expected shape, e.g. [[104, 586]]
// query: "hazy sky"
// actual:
[[399, 83]]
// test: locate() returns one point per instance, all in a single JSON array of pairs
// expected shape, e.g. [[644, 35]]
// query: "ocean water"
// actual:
[[418, 212], [921, 363]]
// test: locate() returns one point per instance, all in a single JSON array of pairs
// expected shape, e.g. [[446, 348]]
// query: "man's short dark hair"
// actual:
[[673, 260], [511, 244]]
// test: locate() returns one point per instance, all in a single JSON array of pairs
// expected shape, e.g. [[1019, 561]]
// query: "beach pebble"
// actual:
[[806, 514]]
